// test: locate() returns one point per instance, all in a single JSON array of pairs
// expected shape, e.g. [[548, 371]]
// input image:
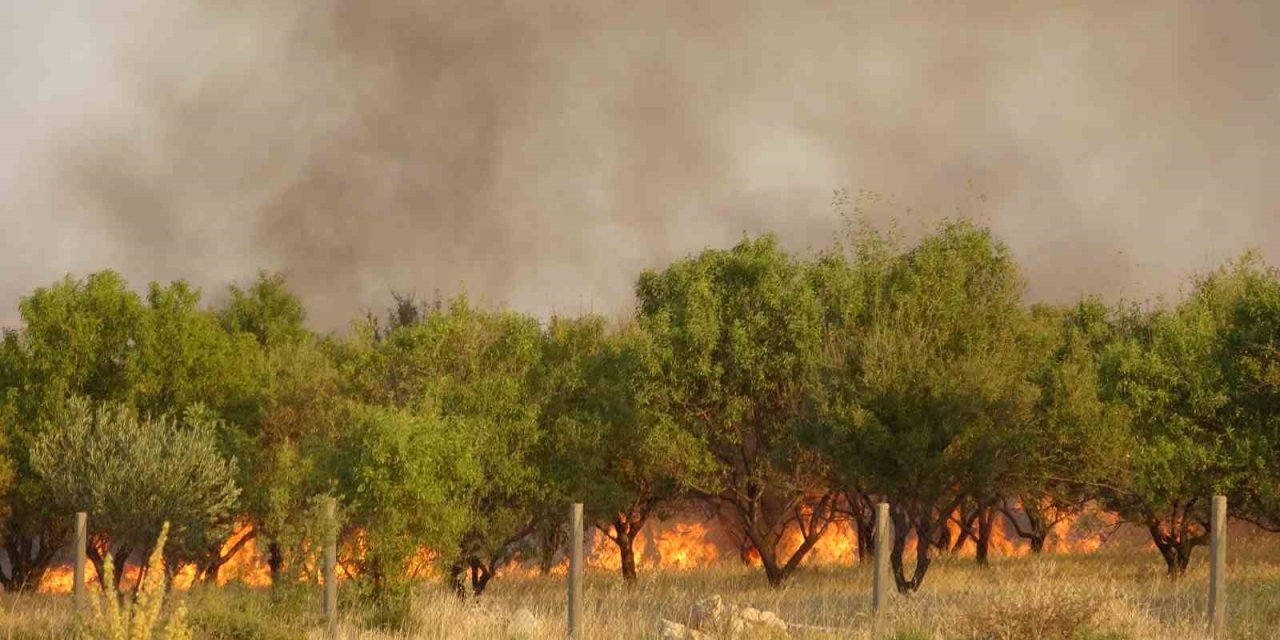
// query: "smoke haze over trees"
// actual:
[[540, 155]]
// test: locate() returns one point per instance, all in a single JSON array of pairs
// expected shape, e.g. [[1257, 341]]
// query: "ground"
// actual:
[[1115, 593]]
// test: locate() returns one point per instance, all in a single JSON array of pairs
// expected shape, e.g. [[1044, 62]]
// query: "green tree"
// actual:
[[1178, 373], [406, 481], [1082, 439], [604, 446], [739, 335], [133, 474], [287, 421], [78, 338], [932, 399], [1253, 342], [96, 338], [184, 356], [475, 369], [267, 310]]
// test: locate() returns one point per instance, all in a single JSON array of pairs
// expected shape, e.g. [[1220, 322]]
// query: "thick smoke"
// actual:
[[539, 154]]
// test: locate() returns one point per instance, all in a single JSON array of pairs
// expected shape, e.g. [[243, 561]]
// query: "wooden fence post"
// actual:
[[880, 577], [575, 571], [1218, 567], [331, 565], [78, 592]]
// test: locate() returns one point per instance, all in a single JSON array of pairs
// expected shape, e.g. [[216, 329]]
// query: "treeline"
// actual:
[[785, 392]]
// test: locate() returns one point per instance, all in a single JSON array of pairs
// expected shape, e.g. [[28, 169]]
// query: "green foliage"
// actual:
[[941, 369], [235, 612], [739, 339], [1188, 377], [473, 370], [1252, 340], [772, 386], [407, 480], [95, 338], [184, 357], [132, 474], [288, 418], [267, 310], [603, 444], [932, 396]]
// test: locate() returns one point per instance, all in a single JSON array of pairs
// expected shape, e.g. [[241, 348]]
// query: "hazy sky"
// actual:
[[540, 154]]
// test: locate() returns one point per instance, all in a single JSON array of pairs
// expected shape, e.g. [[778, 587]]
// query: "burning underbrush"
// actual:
[[687, 540]]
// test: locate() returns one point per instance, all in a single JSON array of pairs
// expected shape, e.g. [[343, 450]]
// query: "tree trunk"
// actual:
[[469, 576], [626, 526], [1176, 552], [1182, 534], [763, 538], [986, 522], [903, 525], [775, 574], [29, 559], [966, 522], [862, 513], [457, 578], [1037, 544], [627, 554], [216, 558], [118, 559], [943, 539], [865, 531], [275, 561], [480, 576], [1038, 525], [550, 542], [768, 559]]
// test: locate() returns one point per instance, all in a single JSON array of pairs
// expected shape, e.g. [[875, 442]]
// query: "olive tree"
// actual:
[[132, 474], [77, 338]]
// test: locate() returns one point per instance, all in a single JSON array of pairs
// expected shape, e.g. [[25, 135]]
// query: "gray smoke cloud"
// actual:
[[539, 155]]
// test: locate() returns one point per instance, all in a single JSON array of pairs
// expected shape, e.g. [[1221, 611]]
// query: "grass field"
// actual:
[[1116, 593]]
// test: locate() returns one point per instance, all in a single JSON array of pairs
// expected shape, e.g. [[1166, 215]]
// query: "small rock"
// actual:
[[668, 630], [762, 619], [523, 624]]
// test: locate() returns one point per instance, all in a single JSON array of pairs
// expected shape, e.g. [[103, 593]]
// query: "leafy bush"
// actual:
[[242, 613], [1035, 613], [132, 473]]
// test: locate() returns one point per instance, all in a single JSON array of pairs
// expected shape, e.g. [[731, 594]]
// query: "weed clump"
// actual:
[[1035, 613], [117, 616]]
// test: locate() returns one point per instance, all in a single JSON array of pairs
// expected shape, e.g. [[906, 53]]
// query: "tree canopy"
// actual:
[[782, 391]]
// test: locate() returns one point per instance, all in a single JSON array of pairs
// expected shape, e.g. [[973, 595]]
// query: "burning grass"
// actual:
[[1119, 592]]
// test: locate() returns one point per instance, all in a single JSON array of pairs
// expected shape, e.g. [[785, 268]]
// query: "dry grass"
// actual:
[[1114, 594]]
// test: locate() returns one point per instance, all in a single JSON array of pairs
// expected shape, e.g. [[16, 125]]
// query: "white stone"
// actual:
[[668, 630], [764, 619]]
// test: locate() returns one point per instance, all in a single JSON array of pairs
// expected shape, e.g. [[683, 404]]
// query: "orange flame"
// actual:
[[680, 543]]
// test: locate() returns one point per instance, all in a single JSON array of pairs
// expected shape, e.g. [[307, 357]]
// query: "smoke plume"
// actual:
[[540, 154]]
